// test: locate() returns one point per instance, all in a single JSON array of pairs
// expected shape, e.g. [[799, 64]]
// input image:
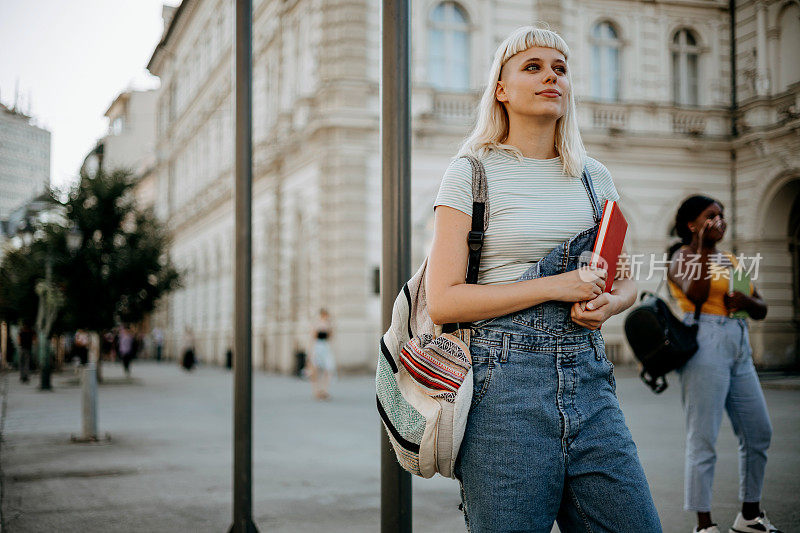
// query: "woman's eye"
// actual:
[[531, 67], [561, 70]]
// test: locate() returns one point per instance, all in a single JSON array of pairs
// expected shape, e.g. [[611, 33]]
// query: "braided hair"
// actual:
[[689, 210]]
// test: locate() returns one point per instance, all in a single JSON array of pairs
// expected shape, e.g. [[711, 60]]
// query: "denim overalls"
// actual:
[[545, 438]]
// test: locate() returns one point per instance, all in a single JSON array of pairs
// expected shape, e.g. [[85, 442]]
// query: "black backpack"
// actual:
[[659, 339]]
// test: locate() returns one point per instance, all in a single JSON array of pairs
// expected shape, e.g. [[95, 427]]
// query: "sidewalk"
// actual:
[[316, 465]]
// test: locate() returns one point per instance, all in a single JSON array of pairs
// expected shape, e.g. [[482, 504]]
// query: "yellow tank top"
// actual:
[[715, 305]]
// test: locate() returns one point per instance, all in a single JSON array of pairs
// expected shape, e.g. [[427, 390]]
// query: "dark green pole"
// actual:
[[242, 367], [396, 194]]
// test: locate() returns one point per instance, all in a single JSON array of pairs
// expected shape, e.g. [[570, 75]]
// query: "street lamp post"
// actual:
[[243, 363], [89, 370], [25, 234], [43, 322], [396, 194]]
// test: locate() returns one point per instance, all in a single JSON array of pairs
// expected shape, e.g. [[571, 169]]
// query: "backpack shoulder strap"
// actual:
[[480, 218], [480, 222]]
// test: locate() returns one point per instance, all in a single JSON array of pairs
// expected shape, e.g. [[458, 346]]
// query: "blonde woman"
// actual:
[[545, 439]]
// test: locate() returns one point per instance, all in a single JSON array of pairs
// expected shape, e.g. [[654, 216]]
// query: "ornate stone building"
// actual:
[[656, 105]]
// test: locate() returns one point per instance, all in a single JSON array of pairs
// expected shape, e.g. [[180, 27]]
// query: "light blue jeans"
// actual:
[[719, 378]]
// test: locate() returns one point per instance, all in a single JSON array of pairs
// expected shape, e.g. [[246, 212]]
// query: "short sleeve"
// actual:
[[602, 181], [456, 188]]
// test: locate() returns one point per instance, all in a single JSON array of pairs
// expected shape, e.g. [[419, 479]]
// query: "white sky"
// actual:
[[72, 58]]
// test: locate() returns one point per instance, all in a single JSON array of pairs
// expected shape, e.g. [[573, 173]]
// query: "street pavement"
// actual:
[[316, 467]]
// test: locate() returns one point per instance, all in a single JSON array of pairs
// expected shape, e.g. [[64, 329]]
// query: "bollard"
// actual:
[[89, 401]]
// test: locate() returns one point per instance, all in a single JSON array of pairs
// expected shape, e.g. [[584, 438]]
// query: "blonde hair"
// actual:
[[491, 127]]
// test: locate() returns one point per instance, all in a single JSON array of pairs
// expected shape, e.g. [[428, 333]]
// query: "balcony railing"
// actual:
[[454, 106], [653, 118]]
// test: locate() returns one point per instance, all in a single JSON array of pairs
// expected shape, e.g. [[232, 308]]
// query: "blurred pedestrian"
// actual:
[[80, 346], [188, 358], [25, 341], [323, 365], [720, 376], [158, 341], [108, 344], [126, 347]]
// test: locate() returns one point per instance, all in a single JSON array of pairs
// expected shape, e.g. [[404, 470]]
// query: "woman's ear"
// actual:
[[500, 92]]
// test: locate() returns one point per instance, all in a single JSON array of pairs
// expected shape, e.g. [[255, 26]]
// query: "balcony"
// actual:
[[454, 107], [431, 107], [653, 119]]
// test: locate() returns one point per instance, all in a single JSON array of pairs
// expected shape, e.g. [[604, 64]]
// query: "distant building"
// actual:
[[24, 160], [656, 104], [130, 141]]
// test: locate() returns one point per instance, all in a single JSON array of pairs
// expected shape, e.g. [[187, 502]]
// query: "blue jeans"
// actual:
[[545, 439], [721, 377]]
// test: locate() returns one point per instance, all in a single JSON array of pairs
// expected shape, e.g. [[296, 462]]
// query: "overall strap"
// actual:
[[480, 222], [586, 178]]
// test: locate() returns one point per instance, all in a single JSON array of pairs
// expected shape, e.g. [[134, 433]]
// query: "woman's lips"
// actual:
[[549, 94]]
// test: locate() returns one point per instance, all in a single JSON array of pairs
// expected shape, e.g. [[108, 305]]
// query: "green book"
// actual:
[[739, 281]]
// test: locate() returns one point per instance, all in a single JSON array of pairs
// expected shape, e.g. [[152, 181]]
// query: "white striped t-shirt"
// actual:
[[533, 206]]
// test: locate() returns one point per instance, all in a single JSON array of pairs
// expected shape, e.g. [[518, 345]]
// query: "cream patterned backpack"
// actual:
[[424, 375]]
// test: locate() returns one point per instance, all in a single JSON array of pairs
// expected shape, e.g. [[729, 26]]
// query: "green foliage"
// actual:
[[120, 269], [18, 275]]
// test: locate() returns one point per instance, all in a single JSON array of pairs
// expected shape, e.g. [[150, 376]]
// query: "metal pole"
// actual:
[[3, 344], [44, 344], [89, 401], [243, 378], [89, 393], [734, 127], [396, 261]]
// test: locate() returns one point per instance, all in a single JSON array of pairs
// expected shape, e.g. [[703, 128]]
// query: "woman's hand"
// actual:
[[711, 224], [581, 285], [736, 301], [754, 305], [591, 315]]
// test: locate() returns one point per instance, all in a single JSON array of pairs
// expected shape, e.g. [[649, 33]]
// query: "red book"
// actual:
[[610, 237]]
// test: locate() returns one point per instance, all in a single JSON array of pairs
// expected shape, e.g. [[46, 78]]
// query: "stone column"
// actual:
[[762, 52]]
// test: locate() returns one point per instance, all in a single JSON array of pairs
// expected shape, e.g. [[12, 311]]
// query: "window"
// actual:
[[685, 56], [117, 125], [448, 47], [789, 27], [605, 62]]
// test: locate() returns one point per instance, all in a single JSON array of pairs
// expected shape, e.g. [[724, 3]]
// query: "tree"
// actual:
[[121, 267], [117, 273], [20, 270]]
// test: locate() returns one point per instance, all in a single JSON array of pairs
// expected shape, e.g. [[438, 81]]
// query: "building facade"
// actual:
[[24, 160], [129, 143], [660, 101]]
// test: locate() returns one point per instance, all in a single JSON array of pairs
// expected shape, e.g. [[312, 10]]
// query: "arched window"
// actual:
[[685, 56], [605, 62], [448, 47], [789, 66]]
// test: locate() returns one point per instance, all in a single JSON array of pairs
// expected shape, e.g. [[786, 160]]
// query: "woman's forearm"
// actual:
[[697, 286], [470, 302]]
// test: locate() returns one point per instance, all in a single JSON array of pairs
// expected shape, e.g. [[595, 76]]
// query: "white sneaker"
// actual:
[[757, 525], [710, 529]]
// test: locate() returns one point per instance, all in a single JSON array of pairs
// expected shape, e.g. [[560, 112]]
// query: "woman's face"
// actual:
[[534, 83], [714, 219]]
